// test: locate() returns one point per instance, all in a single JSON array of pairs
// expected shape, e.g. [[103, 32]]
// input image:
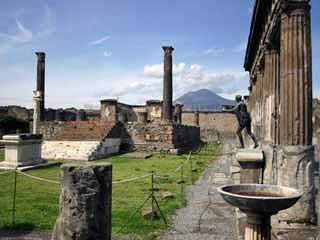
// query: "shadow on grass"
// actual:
[[17, 230]]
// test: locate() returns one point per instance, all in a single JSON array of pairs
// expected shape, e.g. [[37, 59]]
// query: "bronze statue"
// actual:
[[244, 120]]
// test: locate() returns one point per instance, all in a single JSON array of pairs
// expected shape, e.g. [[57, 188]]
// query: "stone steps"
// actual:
[[75, 150]]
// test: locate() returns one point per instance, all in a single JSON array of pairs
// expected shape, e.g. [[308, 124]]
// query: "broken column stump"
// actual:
[[85, 202]]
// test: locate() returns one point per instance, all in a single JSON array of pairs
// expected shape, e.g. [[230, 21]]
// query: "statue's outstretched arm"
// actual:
[[232, 109]]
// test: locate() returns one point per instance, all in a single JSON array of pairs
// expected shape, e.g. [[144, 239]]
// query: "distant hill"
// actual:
[[203, 99]]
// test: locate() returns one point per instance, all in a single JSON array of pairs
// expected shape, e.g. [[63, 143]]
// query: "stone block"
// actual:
[[85, 202], [21, 150], [167, 195]]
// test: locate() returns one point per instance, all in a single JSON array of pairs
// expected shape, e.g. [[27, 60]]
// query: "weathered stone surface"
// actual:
[[137, 155], [147, 213], [85, 202], [80, 150], [167, 195], [157, 136], [295, 168]]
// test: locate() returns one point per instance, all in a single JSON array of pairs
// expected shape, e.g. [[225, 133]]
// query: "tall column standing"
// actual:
[[41, 82], [167, 84], [296, 78], [296, 153]]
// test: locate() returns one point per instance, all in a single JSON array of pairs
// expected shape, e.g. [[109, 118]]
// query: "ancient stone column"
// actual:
[[36, 112], [85, 202], [178, 113], [271, 102], [296, 74], [167, 84], [275, 93], [295, 154], [197, 119], [41, 82], [258, 106]]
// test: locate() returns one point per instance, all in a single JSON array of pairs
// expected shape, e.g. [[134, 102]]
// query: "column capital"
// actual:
[[168, 49], [290, 7], [41, 56]]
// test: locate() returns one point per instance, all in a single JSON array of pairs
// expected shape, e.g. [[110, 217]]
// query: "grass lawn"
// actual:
[[37, 202]]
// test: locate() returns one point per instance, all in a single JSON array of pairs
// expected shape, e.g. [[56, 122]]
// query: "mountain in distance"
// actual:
[[203, 99]]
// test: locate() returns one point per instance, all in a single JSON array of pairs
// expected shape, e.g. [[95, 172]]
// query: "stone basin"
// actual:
[[259, 198]]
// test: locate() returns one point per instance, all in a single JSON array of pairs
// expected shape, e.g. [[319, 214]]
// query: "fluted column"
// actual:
[[252, 100], [167, 84], [296, 78], [258, 105], [41, 82], [258, 227], [272, 74]]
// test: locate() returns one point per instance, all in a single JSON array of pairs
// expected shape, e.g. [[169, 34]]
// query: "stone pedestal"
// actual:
[[85, 202], [251, 166], [21, 150]]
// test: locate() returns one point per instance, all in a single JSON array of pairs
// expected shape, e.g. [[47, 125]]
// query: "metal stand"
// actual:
[[153, 200]]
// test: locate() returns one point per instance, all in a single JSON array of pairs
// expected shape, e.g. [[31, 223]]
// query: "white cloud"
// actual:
[[156, 70], [107, 53], [23, 35], [26, 34], [138, 88], [100, 41], [214, 51]]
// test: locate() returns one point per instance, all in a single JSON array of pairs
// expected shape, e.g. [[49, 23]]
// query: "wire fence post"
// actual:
[[152, 193], [191, 176], [14, 197], [182, 184]]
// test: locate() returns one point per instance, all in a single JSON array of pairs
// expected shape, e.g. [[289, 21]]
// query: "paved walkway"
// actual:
[[207, 215]]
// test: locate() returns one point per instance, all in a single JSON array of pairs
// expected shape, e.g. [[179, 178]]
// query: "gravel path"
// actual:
[[207, 216]]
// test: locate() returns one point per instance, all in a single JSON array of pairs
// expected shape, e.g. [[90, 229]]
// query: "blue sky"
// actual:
[[113, 48]]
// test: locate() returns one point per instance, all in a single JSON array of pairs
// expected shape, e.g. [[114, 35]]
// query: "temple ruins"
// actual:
[[156, 126], [279, 61]]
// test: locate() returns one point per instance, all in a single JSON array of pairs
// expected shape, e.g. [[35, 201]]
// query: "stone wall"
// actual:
[[16, 111], [49, 129], [213, 125], [157, 136]]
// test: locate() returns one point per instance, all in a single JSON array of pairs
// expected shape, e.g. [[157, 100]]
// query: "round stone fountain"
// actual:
[[259, 202]]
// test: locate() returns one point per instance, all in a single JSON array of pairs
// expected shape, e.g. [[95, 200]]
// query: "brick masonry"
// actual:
[[157, 136], [213, 125]]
